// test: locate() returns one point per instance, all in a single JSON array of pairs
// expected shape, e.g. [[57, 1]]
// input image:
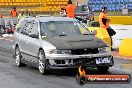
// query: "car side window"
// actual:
[[20, 26], [34, 28], [26, 28]]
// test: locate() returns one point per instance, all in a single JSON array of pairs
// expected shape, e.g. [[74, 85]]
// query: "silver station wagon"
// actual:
[[58, 43]]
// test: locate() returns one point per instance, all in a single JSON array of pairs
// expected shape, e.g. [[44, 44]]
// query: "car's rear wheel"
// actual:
[[103, 69], [18, 57], [41, 62]]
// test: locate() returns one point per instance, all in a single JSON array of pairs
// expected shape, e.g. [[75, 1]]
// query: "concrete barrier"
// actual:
[[102, 34], [126, 20], [125, 48]]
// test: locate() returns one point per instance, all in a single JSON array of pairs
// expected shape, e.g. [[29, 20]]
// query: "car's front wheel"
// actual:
[[103, 69], [41, 62], [18, 57]]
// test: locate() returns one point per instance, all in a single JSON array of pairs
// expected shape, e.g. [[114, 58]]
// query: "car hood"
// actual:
[[76, 42]]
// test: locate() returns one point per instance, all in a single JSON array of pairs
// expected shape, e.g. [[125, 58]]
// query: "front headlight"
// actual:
[[103, 49], [55, 51]]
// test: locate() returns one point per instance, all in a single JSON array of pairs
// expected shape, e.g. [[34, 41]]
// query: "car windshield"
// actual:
[[62, 28]]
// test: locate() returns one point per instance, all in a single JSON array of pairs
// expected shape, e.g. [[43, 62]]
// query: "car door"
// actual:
[[20, 35], [23, 39], [34, 43]]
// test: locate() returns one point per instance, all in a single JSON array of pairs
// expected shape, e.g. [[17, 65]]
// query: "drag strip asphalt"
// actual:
[[12, 76]]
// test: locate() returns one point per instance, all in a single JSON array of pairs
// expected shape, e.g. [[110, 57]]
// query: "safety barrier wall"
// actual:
[[126, 20], [102, 34], [126, 47]]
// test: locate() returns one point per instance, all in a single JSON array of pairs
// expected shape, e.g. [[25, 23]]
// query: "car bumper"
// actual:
[[77, 65], [77, 60], [67, 56]]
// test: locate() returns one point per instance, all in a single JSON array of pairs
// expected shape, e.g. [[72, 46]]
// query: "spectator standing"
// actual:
[[70, 9], [103, 19], [20, 16], [104, 22], [13, 12]]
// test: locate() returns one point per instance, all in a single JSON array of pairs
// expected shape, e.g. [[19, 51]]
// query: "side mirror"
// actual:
[[33, 35], [94, 32]]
